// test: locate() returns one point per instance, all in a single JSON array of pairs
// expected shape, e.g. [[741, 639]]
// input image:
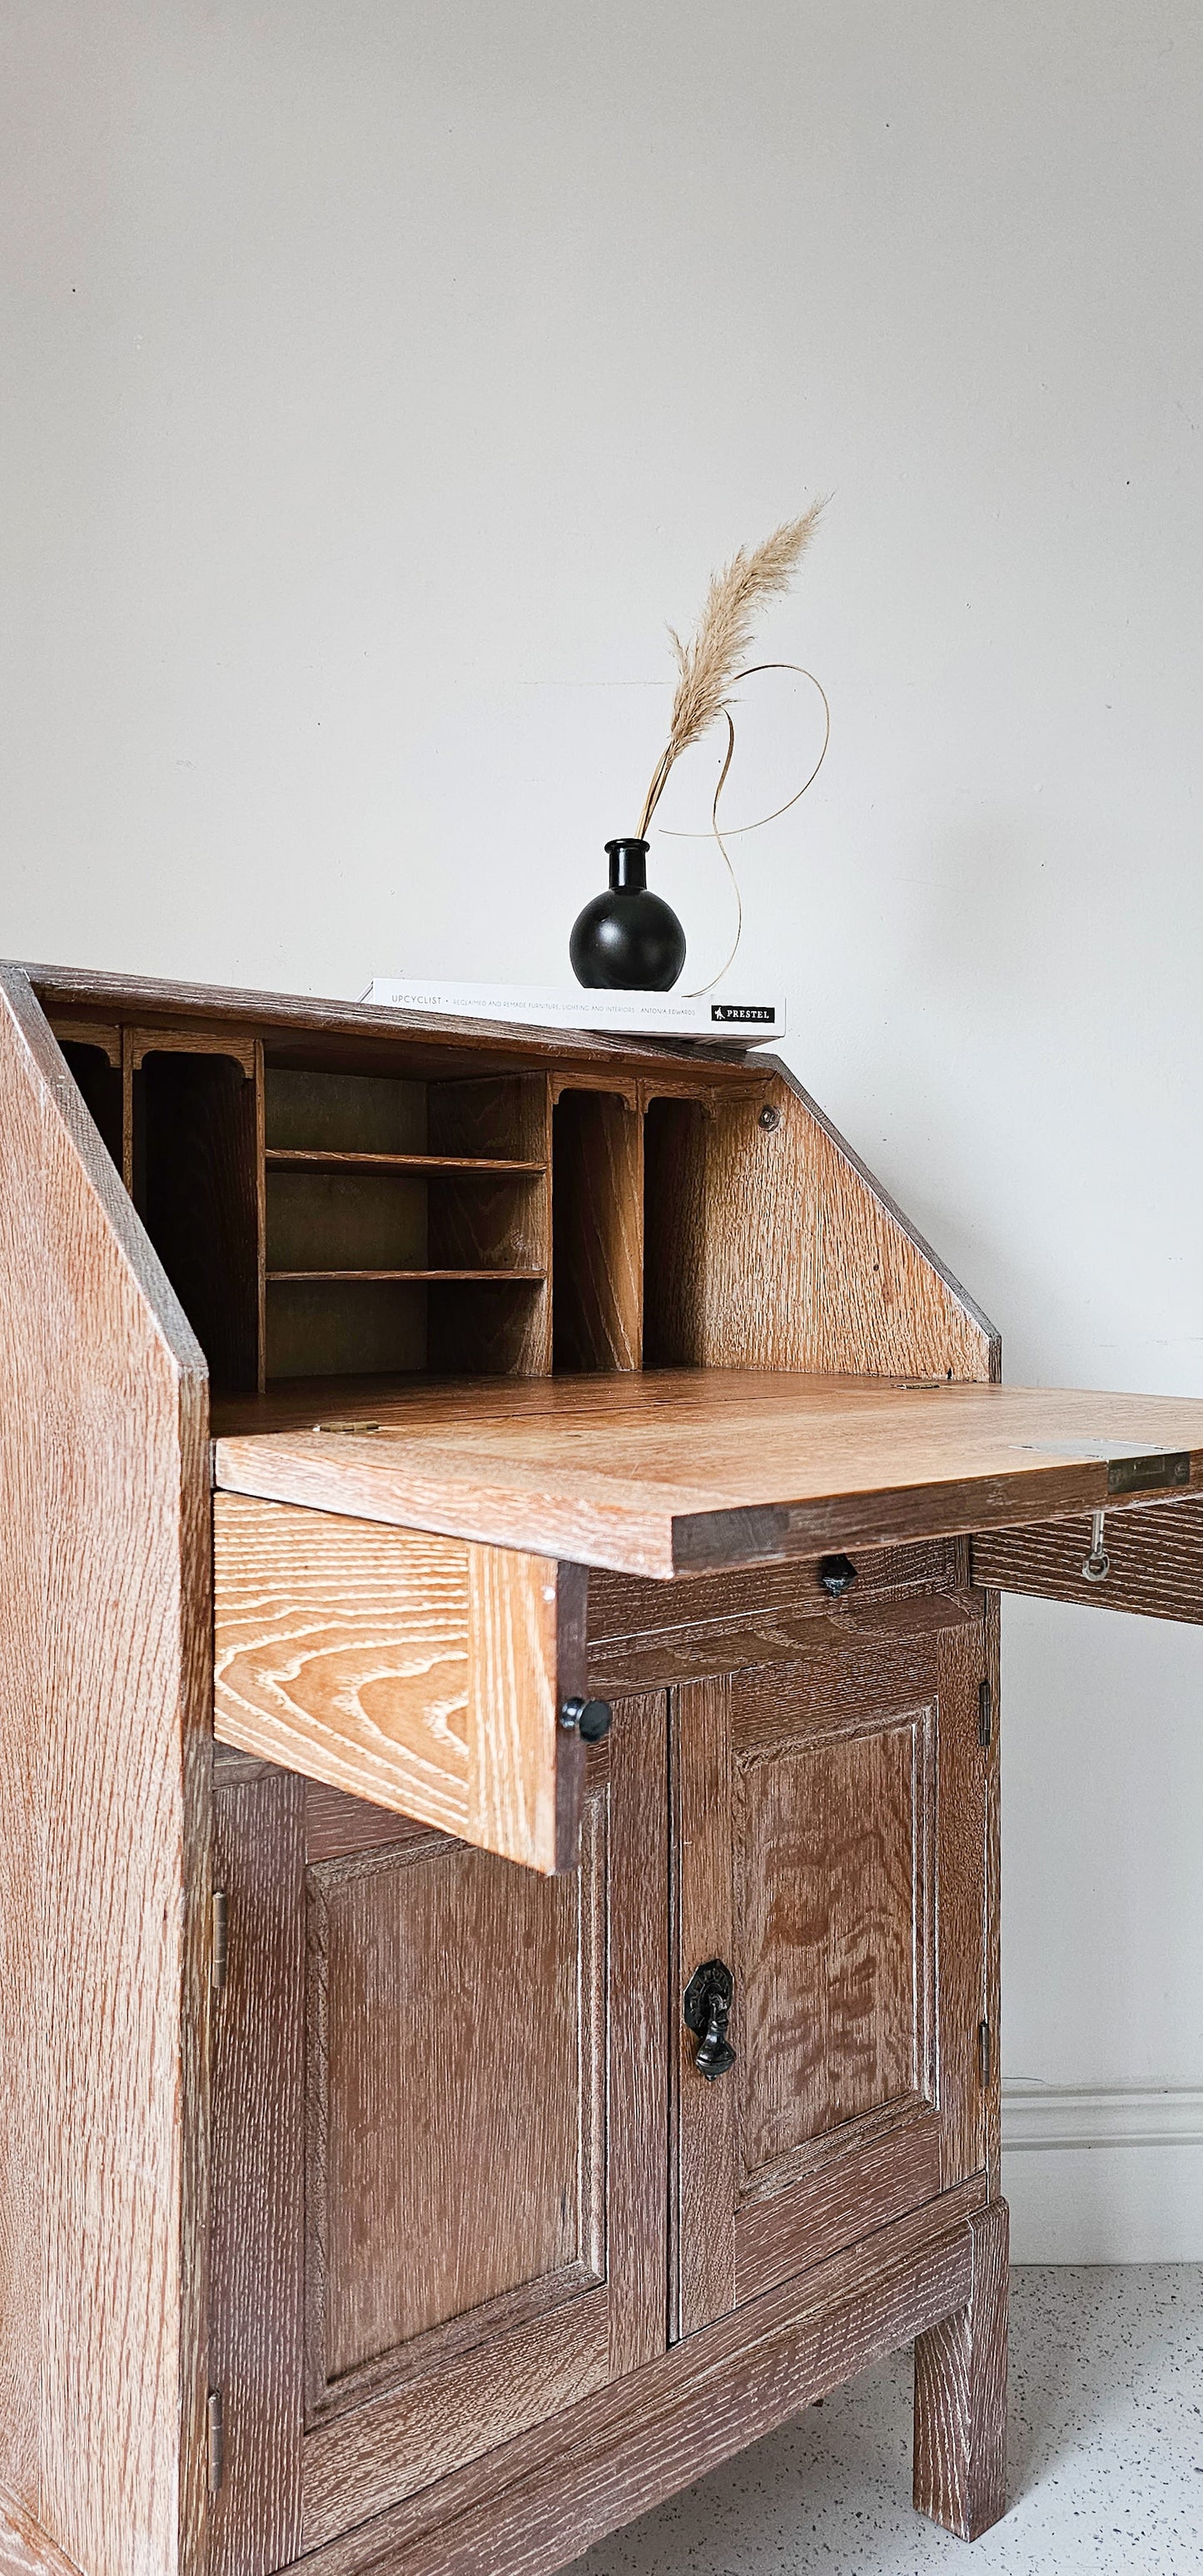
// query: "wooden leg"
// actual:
[[961, 2395]]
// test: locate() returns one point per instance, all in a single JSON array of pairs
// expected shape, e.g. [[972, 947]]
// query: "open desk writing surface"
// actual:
[[668, 1471]]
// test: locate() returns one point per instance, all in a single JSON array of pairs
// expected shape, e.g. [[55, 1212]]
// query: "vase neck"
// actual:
[[628, 865]]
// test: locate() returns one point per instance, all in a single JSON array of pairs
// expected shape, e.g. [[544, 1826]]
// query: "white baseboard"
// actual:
[[1103, 2176]]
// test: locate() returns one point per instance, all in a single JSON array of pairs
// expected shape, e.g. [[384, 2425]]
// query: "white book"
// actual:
[[713, 1019]]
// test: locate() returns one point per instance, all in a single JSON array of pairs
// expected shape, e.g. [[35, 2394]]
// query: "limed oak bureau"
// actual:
[[499, 1915]]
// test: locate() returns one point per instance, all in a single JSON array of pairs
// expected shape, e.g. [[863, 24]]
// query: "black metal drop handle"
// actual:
[[707, 2008]]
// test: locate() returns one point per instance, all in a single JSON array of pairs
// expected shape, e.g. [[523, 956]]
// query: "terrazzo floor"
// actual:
[[1106, 2456]]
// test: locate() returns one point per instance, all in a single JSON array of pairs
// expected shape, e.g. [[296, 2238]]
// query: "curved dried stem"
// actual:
[[731, 829], [708, 664]]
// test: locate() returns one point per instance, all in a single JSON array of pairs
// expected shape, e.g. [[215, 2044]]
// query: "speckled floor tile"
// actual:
[[1106, 2456]]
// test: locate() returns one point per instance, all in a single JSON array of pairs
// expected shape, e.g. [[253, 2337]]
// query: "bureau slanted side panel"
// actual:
[[103, 1779]]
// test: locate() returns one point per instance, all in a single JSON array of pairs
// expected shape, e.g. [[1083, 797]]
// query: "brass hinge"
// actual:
[[217, 2439], [219, 1958], [984, 2053], [985, 1713]]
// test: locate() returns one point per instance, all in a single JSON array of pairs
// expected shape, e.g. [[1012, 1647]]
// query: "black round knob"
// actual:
[[588, 1718], [837, 1574]]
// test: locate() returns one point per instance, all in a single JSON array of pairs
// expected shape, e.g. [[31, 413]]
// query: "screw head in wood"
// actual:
[[770, 1117]]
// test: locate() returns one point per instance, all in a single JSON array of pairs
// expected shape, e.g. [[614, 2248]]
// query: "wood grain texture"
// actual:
[[705, 2134], [848, 1672], [355, 2036], [597, 1149], [130, 1177], [643, 1635], [831, 1825], [564, 2484], [401, 2080], [1156, 1553], [308, 1111], [965, 1929], [490, 2176], [347, 1034], [960, 2468], [481, 1226], [515, 1739], [25, 2549], [337, 1825], [417, 1672], [834, 1862], [641, 2045], [626, 1608], [782, 1252], [326, 1326], [103, 1929], [992, 1897], [341, 1158], [680, 1655], [259, 2175], [682, 1470], [350, 1224], [874, 2175], [365, 2462], [341, 1649], [74, 1029], [835, 1841], [239, 1044]]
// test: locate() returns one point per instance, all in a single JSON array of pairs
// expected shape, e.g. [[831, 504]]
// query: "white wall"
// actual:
[[380, 377]]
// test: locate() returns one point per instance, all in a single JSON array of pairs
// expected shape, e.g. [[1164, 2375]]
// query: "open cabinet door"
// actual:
[[439, 2115], [830, 1833]]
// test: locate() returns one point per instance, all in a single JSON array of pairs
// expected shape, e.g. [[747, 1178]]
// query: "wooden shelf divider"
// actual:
[[333, 1158], [525, 1278]]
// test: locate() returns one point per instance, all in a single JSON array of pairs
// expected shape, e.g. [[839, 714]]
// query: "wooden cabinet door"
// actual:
[[830, 1850], [439, 2122]]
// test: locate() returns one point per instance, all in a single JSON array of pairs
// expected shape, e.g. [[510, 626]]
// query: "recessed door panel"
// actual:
[[833, 1908], [456, 2137], [441, 2100], [829, 1832]]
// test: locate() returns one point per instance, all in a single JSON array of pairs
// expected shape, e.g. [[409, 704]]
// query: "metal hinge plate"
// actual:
[[219, 1955], [217, 2439], [984, 2053]]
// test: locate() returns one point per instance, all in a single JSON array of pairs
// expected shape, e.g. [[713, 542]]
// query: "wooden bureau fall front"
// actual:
[[499, 1924]]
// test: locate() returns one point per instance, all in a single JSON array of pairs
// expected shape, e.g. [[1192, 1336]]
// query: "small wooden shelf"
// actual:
[[525, 1278], [329, 1158]]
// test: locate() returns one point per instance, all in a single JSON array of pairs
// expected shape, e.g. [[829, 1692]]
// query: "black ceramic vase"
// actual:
[[628, 940]]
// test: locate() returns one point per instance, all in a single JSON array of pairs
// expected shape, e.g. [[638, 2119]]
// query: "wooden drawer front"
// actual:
[[423, 1673], [643, 1634], [830, 1833], [1155, 1553]]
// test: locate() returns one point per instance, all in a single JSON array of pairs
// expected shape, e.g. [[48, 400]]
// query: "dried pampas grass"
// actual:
[[709, 663]]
